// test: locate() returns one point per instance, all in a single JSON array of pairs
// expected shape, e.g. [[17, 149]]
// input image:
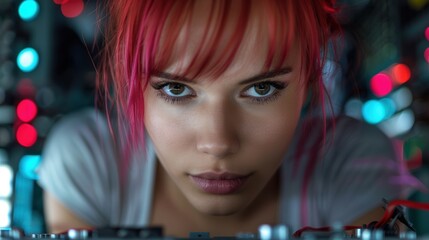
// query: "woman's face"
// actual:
[[221, 140]]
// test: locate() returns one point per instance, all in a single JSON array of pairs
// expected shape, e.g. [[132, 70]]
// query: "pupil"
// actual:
[[262, 88], [176, 89]]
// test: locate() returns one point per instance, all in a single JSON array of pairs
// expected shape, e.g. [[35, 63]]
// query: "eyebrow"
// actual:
[[261, 76]]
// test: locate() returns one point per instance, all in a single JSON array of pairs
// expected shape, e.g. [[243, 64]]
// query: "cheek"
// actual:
[[273, 140], [164, 130], [271, 134], [165, 126]]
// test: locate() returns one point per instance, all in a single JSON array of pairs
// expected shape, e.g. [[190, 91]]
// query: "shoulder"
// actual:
[[359, 137], [79, 166], [86, 128], [358, 149], [345, 124], [342, 134], [80, 138], [347, 142], [85, 121]]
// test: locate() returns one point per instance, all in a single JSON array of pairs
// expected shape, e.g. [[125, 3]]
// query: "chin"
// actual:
[[220, 205]]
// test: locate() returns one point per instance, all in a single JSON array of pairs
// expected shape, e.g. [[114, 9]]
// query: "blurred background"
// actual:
[[48, 50]]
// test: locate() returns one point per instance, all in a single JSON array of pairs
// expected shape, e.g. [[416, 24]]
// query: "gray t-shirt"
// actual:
[[358, 169]]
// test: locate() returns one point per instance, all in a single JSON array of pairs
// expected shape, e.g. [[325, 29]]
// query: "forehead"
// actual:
[[215, 37]]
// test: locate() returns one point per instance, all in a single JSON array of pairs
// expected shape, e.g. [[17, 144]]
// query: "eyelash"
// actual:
[[278, 85], [169, 99]]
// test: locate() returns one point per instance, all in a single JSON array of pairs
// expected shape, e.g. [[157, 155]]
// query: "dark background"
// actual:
[[378, 35]]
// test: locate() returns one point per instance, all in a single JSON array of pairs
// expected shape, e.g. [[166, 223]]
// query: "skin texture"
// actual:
[[222, 124], [216, 124], [221, 130]]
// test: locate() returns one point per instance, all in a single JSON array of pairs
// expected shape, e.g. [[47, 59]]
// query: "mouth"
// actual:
[[219, 183]]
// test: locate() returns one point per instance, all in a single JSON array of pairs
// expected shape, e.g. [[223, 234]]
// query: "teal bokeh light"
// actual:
[[27, 60], [373, 111], [389, 106], [28, 165], [28, 10]]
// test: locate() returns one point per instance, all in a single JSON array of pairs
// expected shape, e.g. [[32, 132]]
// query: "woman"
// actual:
[[209, 134]]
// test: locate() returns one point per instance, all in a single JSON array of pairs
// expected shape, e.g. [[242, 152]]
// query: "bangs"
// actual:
[[143, 37], [207, 42]]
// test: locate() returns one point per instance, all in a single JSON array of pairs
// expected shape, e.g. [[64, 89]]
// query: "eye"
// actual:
[[263, 89], [173, 92], [260, 90], [176, 90]]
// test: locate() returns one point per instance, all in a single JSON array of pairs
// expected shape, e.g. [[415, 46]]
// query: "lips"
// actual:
[[219, 183]]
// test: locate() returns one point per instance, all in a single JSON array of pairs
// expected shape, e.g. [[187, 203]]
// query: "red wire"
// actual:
[[387, 215], [300, 231], [391, 207]]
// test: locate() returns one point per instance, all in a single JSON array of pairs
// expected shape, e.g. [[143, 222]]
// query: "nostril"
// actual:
[[218, 150]]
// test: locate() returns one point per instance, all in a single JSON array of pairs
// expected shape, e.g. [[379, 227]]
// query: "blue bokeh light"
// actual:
[[373, 111], [28, 10], [27, 60], [28, 165], [389, 106]]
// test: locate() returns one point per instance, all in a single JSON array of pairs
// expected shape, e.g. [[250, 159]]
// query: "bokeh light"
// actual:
[[373, 111], [400, 123], [27, 59], [28, 165], [402, 97], [401, 73], [353, 108], [426, 55], [5, 210], [26, 88], [427, 33], [389, 107], [26, 110], [6, 177], [26, 135], [265, 231], [60, 1], [417, 4], [28, 10], [72, 8], [381, 84]]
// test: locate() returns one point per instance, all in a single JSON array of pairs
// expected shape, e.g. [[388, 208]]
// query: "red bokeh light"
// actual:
[[401, 73], [427, 33], [72, 8], [60, 1], [25, 88], [26, 110], [381, 84], [26, 135], [426, 54]]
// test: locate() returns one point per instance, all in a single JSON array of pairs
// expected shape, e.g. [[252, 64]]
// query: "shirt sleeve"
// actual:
[[361, 167], [77, 163]]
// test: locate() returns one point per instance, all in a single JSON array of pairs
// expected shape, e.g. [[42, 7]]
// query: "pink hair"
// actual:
[[136, 46]]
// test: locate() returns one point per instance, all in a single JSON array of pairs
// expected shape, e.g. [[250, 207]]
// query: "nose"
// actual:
[[217, 130]]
